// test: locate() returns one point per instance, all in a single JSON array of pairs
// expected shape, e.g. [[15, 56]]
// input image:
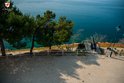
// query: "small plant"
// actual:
[[97, 38], [121, 41]]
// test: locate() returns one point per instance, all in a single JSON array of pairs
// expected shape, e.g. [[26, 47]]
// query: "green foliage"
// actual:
[[49, 15], [45, 30], [53, 32], [20, 26], [63, 30], [14, 26]]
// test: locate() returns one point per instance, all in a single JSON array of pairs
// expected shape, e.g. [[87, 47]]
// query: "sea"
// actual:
[[92, 16]]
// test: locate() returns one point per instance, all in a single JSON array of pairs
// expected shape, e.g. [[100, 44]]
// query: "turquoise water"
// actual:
[[94, 16]]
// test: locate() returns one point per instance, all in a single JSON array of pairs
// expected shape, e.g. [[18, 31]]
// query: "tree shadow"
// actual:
[[43, 69]]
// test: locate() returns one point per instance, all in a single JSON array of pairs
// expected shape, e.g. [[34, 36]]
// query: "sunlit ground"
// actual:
[[92, 68]]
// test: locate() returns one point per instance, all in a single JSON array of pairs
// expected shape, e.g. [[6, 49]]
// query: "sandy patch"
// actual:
[[62, 69]]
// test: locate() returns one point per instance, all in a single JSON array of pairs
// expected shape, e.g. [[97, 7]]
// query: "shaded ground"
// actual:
[[62, 69]]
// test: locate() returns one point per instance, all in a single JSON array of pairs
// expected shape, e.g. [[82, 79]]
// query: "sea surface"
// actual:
[[93, 16]]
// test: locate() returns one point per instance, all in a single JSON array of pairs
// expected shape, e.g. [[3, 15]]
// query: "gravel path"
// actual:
[[62, 69]]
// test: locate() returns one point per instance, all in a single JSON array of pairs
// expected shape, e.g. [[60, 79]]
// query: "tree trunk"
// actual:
[[2, 47], [50, 47], [32, 45]]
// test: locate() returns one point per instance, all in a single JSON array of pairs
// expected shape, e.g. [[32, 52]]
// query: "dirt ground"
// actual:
[[92, 68]]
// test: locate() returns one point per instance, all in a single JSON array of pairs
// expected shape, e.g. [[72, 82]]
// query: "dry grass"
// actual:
[[60, 47], [107, 44]]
